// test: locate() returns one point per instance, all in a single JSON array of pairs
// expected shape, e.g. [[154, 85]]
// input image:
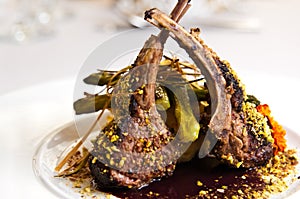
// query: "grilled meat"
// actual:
[[243, 137], [134, 149]]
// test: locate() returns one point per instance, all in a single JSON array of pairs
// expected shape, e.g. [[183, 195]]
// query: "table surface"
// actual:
[[37, 78]]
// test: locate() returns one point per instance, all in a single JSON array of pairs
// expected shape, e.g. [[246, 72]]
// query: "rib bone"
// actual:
[[221, 107]]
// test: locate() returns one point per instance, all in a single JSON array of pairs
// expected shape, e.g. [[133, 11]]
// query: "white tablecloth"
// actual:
[[37, 79]]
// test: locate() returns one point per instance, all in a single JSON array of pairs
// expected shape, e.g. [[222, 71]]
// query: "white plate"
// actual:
[[49, 153], [29, 114], [57, 142]]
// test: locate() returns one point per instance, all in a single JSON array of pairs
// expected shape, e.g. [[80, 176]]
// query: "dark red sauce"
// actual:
[[212, 177]]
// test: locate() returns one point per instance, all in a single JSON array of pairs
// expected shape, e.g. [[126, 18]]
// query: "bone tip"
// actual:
[[149, 13]]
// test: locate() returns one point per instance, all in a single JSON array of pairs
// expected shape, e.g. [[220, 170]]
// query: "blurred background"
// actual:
[[44, 40], [44, 43]]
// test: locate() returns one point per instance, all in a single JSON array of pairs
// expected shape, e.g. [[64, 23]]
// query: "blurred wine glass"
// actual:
[[23, 20]]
